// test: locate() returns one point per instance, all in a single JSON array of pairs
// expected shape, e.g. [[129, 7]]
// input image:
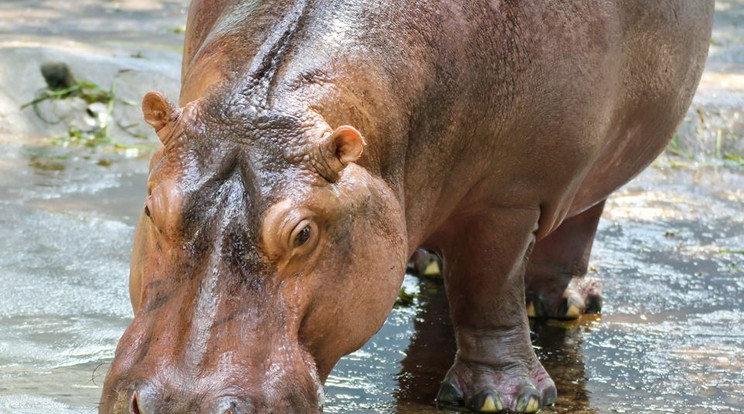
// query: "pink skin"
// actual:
[[275, 236]]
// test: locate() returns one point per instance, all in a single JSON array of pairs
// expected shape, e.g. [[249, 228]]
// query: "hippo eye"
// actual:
[[303, 236]]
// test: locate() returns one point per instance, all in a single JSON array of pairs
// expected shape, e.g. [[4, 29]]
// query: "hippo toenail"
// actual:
[[529, 402], [550, 396], [535, 307], [573, 312], [487, 402], [448, 394], [532, 406], [432, 269], [571, 308], [490, 405], [593, 304]]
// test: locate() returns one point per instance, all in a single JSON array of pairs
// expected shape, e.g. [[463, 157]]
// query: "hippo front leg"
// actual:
[[495, 367]]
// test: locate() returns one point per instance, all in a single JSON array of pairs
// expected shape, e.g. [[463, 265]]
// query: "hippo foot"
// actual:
[[424, 263], [483, 388], [580, 297]]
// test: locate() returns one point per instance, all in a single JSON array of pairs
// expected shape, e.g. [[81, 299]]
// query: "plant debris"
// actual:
[[96, 133]]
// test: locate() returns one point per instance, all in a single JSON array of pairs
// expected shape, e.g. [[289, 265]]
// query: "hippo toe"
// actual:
[[521, 388]]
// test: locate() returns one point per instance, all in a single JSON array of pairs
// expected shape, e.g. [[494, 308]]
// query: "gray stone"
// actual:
[[21, 82]]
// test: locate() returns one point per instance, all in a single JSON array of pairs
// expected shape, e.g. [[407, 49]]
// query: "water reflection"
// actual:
[[432, 349], [430, 353], [559, 348]]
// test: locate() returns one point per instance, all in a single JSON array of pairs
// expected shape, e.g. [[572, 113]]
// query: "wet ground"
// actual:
[[669, 253]]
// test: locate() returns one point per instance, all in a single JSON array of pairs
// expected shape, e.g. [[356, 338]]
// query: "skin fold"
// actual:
[[317, 144]]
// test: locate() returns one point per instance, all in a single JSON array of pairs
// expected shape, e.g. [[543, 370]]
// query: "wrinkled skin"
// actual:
[[318, 144]]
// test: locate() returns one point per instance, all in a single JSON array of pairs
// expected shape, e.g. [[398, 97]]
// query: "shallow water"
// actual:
[[670, 339], [668, 256]]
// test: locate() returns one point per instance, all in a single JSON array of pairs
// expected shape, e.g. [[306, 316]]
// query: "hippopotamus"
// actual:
[[317, 144]]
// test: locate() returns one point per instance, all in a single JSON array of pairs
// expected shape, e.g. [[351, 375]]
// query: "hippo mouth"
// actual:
[[154, 397], [149, 375]]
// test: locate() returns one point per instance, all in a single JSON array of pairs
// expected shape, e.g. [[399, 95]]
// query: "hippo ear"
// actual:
[[336, 150], [344, 145], [159, 112]]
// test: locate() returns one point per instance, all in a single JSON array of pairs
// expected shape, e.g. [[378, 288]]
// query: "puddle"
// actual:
[[668, 255]]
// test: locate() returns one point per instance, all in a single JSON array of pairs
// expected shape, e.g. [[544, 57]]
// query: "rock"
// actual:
[[57, 75], [21, 81]]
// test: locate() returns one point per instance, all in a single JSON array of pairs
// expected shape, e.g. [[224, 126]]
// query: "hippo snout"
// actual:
[[148, 398], [158, 384]]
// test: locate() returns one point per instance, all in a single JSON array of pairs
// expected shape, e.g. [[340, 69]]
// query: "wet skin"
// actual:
[[317, 145]]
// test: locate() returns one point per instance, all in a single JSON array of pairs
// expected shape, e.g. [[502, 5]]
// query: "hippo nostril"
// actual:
[[231, 409], [134, 405], [232, 405], [144, 398]]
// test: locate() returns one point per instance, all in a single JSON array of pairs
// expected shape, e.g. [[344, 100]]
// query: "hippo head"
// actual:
[[263, 254]]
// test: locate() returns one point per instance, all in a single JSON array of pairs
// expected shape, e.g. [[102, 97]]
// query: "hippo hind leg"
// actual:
[[495, 368], [556, 281]]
